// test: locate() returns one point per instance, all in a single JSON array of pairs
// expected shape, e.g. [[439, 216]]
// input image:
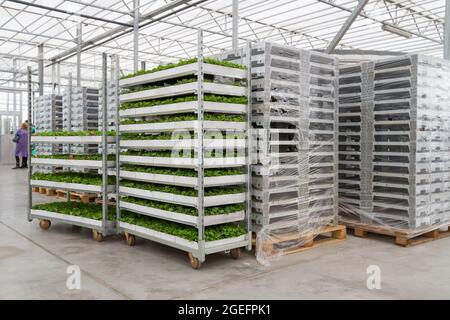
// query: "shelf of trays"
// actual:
[[160, 166], [89, 183]]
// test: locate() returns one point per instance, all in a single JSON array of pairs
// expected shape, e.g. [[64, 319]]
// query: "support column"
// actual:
[[136, 35], [58, 77], [348, 23], [15, 85], [79, 35], [235, 24], [41, 68], [53, 78], [447, 31]]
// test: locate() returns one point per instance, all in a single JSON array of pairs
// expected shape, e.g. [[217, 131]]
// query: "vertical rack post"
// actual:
[[200, 155], [30, 123], [69, 119], [117, 124], [104, 143], [249, 152]]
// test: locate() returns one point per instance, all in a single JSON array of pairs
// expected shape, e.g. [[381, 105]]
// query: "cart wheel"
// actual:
[[195, 263], [98, 236], [130, 238], [45, 224], [236, 253]]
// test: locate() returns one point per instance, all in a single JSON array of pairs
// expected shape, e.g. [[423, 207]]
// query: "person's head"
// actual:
[[24, 126]]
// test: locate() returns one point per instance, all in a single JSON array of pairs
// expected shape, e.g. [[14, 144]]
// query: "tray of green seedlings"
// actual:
[[183, 177], [183, 236], [188, 121], [76, 213], [75, 181], [183, 68], [72, 137], [217, 140], [184, 104], [88, 161], [182, 159], [184, 214], [177, 85], [213, 196]]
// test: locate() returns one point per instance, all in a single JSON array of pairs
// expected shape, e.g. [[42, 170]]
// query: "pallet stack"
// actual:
[[48, 116], [295, 115], [410, 138], [355, 144], [81, 113]]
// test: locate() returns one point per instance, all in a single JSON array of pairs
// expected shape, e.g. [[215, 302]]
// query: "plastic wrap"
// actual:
[[295, 149], [394, 144]]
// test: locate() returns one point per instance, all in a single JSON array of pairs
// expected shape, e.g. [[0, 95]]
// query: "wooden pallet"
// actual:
[[45, 191], [404, 238], [286, 243], [74, 196]]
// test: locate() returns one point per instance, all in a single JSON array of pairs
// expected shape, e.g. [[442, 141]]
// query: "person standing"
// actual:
[[21, 140]]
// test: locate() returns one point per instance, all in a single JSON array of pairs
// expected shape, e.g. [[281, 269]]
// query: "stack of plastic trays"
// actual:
[[411, 172], [47, 117], [319, 116], [83, 115], [355, 140], [276, 123], [112, 107]]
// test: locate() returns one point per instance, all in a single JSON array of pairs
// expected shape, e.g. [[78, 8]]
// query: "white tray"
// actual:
[[181, 71], [69, 186], [185, 107], [183, 181], [218, 144], [209, 201], [71, 139], [91, 164], [184, 162], [183, 89], [180, 125]]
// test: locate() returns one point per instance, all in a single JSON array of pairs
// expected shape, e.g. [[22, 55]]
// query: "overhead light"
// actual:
[[397, 31]]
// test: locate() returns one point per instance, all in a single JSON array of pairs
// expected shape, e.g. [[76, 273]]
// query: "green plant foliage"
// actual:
[[207, 97], [181, 171], [188, 117], [182, 63], [94, 157], [184, 191], [79, 209], [212, 233], [181, 154], [209, 211], [72, 133], [180, 136], [73, 177]]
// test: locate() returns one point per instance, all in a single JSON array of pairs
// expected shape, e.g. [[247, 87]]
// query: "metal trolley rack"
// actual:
[[101, 227], [199, 144]]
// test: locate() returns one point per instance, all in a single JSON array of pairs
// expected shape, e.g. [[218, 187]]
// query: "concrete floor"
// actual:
[[33, 265]]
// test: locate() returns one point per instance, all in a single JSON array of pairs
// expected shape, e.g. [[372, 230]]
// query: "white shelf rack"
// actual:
[[219, 86], [86, 98]]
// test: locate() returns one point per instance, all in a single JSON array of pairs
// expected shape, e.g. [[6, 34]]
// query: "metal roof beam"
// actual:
[[447, 31], [119, 30], [70, 13], [347, 24]]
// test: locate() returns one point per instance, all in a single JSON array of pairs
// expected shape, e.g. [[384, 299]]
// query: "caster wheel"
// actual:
[[130, 239], [236, 253], [97, 236], [45, 224], [195, 263]]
